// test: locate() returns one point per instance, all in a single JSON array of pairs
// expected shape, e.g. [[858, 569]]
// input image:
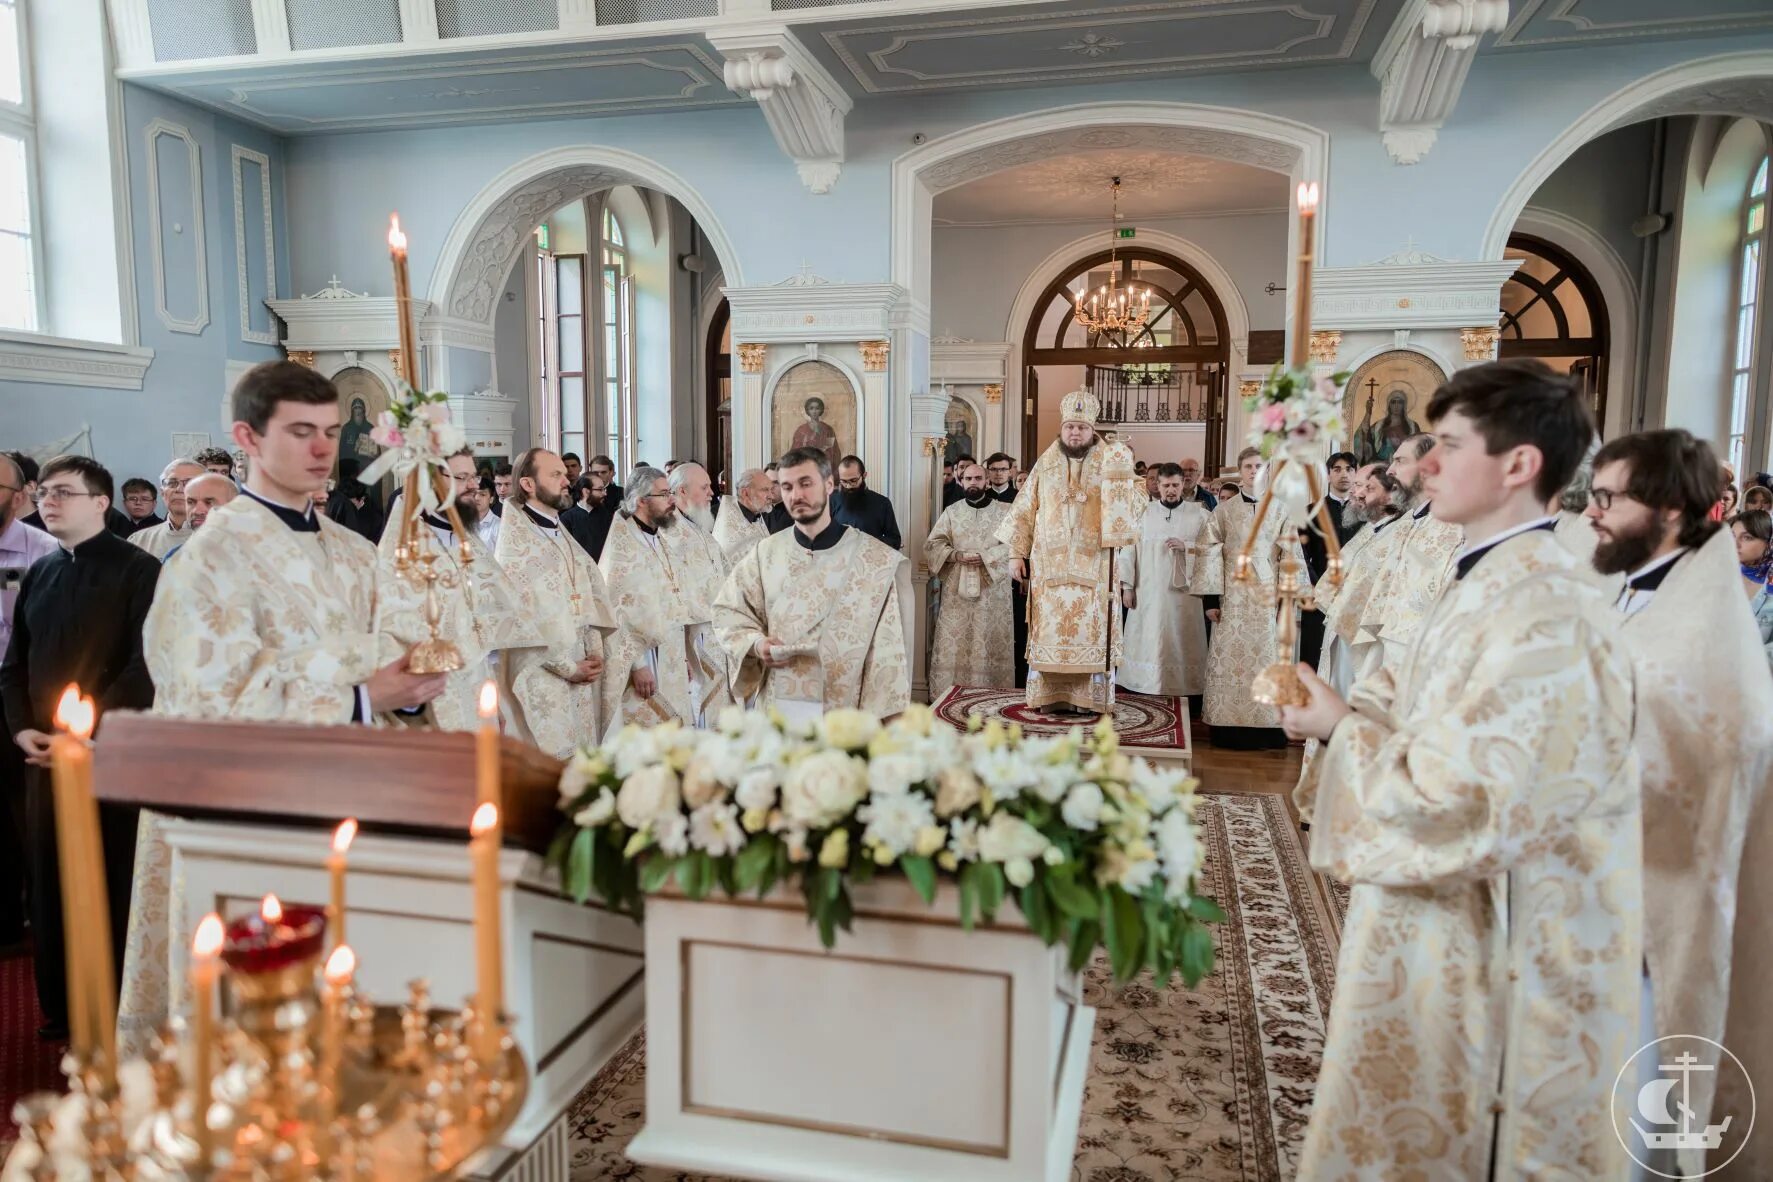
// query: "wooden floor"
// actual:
[[1245, 771]]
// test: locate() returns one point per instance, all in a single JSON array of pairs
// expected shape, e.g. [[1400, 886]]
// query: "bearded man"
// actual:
[[1704, 737], [1421, 565], [552, 691], [1080, 503], [692, 491], [813, 618], [1166, 629], [741, 523], [648, 588], [481, 610], [975, 620]]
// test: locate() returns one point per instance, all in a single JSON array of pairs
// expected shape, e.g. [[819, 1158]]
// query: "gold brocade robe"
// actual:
[[1422, 570], [483, 613], [645, 584], [544, 708], [1243, 642], [974, 636], [1068, 520], [256, 621], [734, 534], [1484, 806], [705, 568], [1705, 739], [1166, 647], [845, 604]]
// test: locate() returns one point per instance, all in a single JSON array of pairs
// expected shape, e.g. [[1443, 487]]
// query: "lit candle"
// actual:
[[206, 947], [1301, 354], [486, 746], [409, 357], [490, 1002], [69, 762], [335, 869], [340, 967]]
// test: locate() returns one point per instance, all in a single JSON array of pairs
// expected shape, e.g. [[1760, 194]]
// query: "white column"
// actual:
[[928, 414]]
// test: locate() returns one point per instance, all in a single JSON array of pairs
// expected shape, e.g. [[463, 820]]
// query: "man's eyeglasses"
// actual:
[[176, 484], [1604, 497], [52, 496], [653, 496]]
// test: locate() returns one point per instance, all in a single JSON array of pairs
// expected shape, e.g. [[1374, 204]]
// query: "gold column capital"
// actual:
[[1480, 343], [302, 357], [934, 444], [751, 357], [874, 356], [1249, 387], [399, 363], [1326, 343], [994, 393]]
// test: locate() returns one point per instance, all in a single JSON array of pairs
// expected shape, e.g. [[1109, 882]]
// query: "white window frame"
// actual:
[[619, 368], [20, 120], [1748, 297]]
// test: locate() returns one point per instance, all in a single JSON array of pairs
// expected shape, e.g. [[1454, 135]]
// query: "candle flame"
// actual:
[[486, 818], [271, 911], [340, 965], [1308, 197], [74, 713], [208, 940], [344, 835], [489, 699], [396, 237]]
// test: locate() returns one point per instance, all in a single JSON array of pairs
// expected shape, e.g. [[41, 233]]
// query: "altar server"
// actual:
[[1421, 565], [1166, 649], [742, 522], [1483, 803], [975, 623]]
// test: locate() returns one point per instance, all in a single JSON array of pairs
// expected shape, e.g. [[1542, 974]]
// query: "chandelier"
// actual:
[[1111, 310]]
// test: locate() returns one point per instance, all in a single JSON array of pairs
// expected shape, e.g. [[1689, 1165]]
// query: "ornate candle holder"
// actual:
[[417, 562]]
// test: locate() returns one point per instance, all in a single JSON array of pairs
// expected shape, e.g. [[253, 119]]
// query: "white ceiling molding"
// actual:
[[199, 318], [240, 156], [968, 363], [804, 105], [334, 319], [1421, 67], [57, 361], [1390, 295], [808, 310]]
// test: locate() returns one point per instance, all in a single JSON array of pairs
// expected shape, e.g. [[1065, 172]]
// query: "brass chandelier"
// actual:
[[1111, 310]]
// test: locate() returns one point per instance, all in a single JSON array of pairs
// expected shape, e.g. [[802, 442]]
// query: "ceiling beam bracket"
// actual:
[[801, 101], [1421, 67]]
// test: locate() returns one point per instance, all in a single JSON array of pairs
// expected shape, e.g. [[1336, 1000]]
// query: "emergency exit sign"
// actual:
[[1125, 232]]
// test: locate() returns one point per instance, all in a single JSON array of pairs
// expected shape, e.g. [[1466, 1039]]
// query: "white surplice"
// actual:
[[1166, 642]]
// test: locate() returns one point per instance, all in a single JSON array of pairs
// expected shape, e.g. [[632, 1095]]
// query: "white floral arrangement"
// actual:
[[416, 436], [1094, 847], [1295, 407]]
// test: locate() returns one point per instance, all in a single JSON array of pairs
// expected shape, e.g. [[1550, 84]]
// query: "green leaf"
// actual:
[[1197, 953], [833, 883], [1033, 902], [1125, 931], [1075, 900], [991, 888], [1084, 939], [655, 871], [921, 873], [827, 921], [753, 860], [579, 865], [1205, 910], [563, 838]]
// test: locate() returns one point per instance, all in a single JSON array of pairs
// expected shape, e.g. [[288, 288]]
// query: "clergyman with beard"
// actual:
[[860, 507], [1080, 503], [1166, 627], [649, 586], [1420, 566], [697, 551], [483, 611], [975, 623], [552, 691]]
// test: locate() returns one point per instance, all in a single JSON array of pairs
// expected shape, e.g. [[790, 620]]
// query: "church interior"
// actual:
[[719, 231]]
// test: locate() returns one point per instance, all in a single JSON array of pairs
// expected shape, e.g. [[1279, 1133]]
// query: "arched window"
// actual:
[[1552, 310], [1742, 357], [618, 344], [20, 254]]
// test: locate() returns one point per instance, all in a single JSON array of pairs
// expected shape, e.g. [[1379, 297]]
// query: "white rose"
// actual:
[[890, 775], [821, 789], [757, 789], [895, 821], [957, 789], [647, 797], [848, 730], [597, 812], [1083, 807], [715, 829], [700, 783], [1008, 837]]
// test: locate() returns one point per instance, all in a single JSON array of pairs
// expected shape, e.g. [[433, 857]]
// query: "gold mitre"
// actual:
[[1079, 406]]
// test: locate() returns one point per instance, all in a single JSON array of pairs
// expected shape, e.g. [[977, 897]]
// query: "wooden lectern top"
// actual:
[[389, 778]]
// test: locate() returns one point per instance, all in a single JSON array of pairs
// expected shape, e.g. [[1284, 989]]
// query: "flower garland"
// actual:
[[415, 434], [1294, 406], [1092, 846]]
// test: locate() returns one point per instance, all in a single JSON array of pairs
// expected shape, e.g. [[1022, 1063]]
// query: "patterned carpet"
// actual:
[[27, 1064], [1209, 1085], [1143, 720]]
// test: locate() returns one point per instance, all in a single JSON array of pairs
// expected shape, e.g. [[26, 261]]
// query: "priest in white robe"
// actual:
[[649, 680], [741, 523], [1080, 504], [553, 694], [707, 567], [1704, 737], [1166, 648], [1373, 507], [973, 640], [1483, 805], [1421, 567], [813, 618]]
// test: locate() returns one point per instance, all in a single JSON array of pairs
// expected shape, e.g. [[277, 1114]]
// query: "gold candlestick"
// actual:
[[1300, 356]]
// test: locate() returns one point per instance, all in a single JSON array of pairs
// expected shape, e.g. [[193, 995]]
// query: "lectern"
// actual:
[[241, 810]]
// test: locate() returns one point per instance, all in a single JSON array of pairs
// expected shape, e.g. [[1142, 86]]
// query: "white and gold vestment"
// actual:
[[974, 634]]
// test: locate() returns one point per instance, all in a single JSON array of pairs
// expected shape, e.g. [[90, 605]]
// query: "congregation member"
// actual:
[[972, 643], [139, 500], [951, 490], [501, 488], [216, 460], [1340, 472], [648, 680], [161, 540], [21, 546], [553, 698], [1492, 776], [116, 520], [480, 609], [1758, 496], [1166, 646], [1243, 616], [741, 523], [575, 467], [860, 507], [814, 617], [203, 495], [1704, 738], [486, 505], [999, 476], [268, 612], [1080, 504], [1752, 530], [589, 518], [1193, 489], [77, 621], [604, 469]]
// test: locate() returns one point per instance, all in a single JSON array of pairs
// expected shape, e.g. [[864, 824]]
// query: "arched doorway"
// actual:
[[718, 396], [1552, 310], [1173, 371]]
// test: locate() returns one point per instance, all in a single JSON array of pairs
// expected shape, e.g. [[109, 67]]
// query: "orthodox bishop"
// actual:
[[975, 623], [1166, 627]]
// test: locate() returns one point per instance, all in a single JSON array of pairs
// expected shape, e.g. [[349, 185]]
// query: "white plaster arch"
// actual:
[[1731, 83], [773, 379], [1620, 291], [477, 254]]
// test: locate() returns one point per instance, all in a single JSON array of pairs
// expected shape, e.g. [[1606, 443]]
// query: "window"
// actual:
[[561, 282], [618, 345], [1552, 311], [20, 251], [1754, 226]]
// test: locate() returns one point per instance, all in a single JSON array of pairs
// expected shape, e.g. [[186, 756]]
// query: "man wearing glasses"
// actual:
[[21, 545], [78, 620], [161, 540], [998, 470]]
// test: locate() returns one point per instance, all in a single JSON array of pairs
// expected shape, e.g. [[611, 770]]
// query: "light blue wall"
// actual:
[[1605, 186], [184, 387]]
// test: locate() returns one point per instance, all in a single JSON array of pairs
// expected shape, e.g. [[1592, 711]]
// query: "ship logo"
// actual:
[[1664, 1081]]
